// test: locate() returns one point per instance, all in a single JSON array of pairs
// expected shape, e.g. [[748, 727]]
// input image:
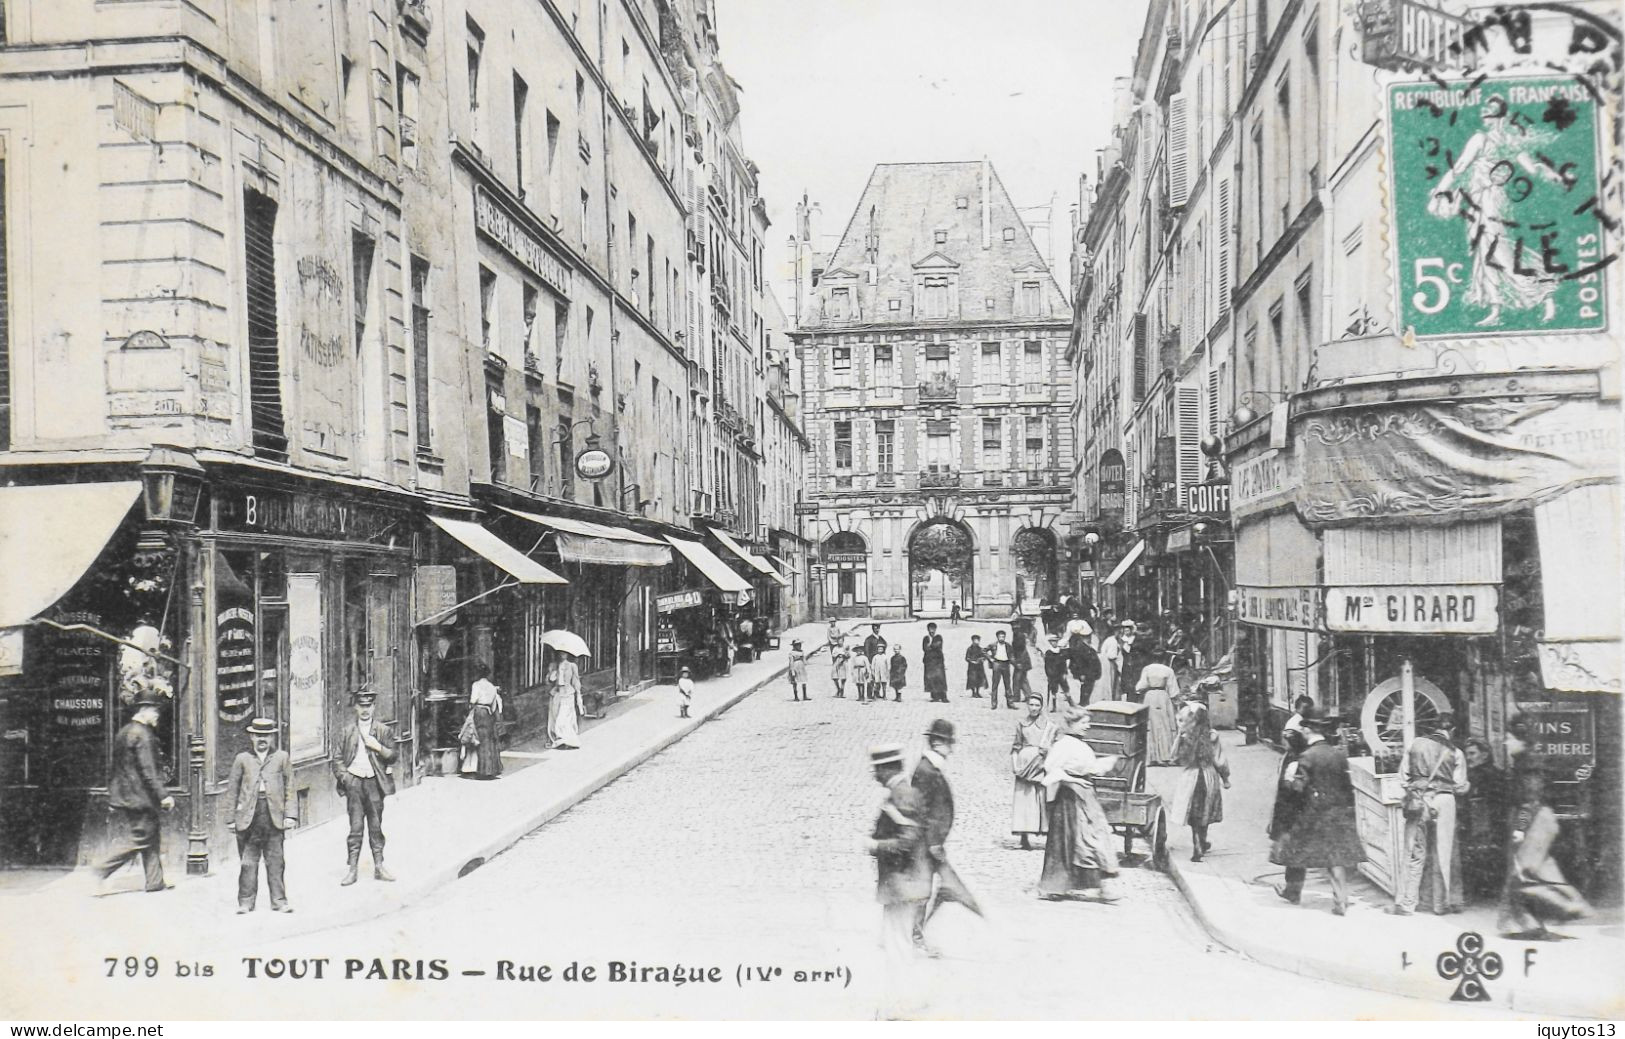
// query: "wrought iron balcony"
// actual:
[[939, 387]]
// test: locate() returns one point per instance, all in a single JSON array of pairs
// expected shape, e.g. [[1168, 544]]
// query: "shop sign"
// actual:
[[434, 589], [736, 598], [297, 514], [78, 670], [1261, 480], [1208, 499], [1492, 232], [1562, 733], [1296, 608], [673, 601], [846, 557], [1451, 461], [1112, 486], [1179, 540], [1404, 34], [594, 464], [1440, 609], [234, 663], [493, 221]]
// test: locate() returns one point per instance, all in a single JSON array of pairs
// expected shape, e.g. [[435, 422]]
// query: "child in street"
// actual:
[[899, 672], [798, 672], [837, 671], [685, 692], [860, 676]]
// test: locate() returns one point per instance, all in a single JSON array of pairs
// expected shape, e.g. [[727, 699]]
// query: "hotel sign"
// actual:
[[1441, 609], [493, 221], [1297, 608], [1409, 34]]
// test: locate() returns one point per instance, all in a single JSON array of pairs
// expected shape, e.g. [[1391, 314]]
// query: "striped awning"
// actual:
[[707, 563], [755, 562], [582, 541], [497, 552]]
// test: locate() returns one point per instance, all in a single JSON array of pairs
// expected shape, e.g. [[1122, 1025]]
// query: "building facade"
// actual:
[[1380, 359], [361, 354], [930, 352]]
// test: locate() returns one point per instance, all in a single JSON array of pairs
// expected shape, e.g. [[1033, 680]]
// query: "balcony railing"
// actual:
[[992, 479], [939, 387], [940, 478]]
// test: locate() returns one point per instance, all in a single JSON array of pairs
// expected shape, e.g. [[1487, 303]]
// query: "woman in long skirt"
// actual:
[[484, 704], [564, 706], [1157, 688], [975, 672], [1078, 852], [1034, 735], [935, 668], [1200, 803]]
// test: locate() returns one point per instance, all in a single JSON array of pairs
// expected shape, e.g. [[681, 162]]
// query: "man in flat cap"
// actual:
[[137, 793], [361, 769], [260, 792]]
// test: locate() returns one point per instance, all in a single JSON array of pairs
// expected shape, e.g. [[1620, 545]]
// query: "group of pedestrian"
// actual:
[[868, 666]]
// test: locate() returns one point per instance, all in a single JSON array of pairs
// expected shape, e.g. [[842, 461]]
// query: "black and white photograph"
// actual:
[[811, 510]]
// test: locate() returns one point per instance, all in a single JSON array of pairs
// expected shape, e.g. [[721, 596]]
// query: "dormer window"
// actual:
[[840, 304], [935, 301]]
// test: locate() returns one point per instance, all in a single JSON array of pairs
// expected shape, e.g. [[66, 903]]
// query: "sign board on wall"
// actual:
[[674, 601], [1489, 180], [435, 589], [1113, 477], [1208, 499], [493, 220], [1561, 732], [1454, 609], [1297, 608], [1403, 34], [1262, 481]]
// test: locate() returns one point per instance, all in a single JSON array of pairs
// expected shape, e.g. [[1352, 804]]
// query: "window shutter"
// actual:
[[1222, 282], [1188, 402], [5, 320], [1213, 401], [264, 352], [1141, 361], [1178, 150]]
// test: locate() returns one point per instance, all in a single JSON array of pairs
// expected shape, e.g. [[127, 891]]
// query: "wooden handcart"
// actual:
[[1119, 728]]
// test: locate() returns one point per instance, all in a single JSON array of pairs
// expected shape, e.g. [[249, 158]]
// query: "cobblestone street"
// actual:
[[741, 847]]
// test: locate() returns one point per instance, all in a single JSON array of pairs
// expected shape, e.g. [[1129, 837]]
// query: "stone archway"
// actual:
[[941, 568], [1034, 554]]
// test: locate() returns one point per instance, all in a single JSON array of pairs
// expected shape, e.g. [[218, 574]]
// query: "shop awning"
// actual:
[[1580, 563], [1127, 561], [497, 552], [782, 574], [755, 562], [784, 568], [707, 563], [582, 541], [49, 536]]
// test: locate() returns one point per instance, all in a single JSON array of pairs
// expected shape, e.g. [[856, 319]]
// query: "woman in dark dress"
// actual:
[[935, 667], [975, 671]]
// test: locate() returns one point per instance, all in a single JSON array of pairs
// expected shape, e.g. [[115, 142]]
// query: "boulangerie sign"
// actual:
[[1447, 462]]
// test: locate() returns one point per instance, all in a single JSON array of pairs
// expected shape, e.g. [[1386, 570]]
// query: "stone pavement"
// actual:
[[438, 830], [1231, 892]]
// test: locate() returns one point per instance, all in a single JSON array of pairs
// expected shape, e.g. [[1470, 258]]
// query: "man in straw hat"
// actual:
[[260, 792], [361, 769], [136, 792]]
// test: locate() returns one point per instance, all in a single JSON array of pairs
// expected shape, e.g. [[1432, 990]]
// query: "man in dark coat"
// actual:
[[136, 792], [935, 800], [260, 793], [361, 770], [1084, 664], [1324, 831]]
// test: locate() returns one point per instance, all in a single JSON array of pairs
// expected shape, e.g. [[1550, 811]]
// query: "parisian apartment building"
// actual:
[[443, 322], [931, 345], [1321, 389]]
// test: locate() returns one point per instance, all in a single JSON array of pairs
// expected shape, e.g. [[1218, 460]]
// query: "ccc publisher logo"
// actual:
[[1470, 967]]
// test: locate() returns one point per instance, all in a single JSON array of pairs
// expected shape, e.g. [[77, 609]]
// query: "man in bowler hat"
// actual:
[[260, 792], [137, 793], [361, 769], [935, 799], [903, 873]]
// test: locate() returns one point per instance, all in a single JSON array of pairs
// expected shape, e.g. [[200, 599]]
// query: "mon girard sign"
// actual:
[[1456, 609]]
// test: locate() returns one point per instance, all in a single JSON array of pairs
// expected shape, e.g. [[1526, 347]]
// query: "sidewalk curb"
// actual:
[[1343, 973], [420, 886]]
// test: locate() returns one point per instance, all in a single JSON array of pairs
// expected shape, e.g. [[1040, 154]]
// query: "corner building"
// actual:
[[937, 408]]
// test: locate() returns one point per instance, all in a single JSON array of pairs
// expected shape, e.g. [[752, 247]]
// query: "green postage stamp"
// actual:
[[1497, 222]]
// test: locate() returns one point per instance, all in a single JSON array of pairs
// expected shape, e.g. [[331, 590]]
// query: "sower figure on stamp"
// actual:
[[361, 769], [260, 792], [137, 793]]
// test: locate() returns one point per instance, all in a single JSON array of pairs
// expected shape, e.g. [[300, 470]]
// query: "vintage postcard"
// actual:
[[810, 510]]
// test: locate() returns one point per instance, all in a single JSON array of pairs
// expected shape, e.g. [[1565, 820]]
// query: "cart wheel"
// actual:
[[1159, 842], [1136, 778]]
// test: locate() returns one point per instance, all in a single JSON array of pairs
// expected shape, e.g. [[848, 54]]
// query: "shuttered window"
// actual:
[[420, 349], [1142, 363], [264, 350], [5, 319], [1178, 150], [1188, 430]]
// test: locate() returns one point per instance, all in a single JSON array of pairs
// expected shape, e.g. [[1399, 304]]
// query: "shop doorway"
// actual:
[[846, 573], [941, 568]]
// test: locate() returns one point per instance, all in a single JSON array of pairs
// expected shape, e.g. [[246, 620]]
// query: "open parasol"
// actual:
[[566, 642]]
